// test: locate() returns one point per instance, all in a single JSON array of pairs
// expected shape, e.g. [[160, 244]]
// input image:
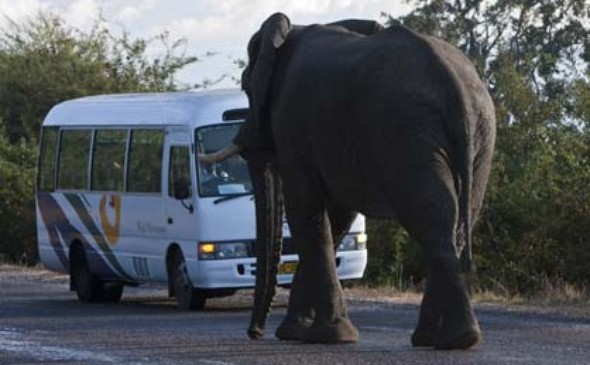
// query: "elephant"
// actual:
[[350, 118]]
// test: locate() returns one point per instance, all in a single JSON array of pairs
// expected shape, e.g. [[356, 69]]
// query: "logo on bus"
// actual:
[[110, 205]]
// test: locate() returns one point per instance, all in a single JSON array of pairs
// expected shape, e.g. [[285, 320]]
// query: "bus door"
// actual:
[[180, 190]]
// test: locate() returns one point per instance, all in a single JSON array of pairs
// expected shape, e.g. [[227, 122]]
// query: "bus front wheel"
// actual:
[[187, 297]]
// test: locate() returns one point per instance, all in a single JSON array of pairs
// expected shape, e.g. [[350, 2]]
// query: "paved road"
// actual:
[[41, 322]]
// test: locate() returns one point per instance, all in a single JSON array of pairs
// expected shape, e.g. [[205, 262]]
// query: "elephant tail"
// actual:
[[460, 129], [466, 259], [269, 233], [464, 163]]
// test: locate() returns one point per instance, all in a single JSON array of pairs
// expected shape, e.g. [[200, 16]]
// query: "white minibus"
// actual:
[[108, 208]]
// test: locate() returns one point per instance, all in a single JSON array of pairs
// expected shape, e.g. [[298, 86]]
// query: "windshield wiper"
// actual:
[[231, 197]]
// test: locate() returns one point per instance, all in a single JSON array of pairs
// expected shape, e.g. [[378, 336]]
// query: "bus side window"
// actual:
[[144, 169], [74, 151], [46, 161], [108, 160], [179, 169]]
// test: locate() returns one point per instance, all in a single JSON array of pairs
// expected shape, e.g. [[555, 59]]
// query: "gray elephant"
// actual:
[[349, 117]]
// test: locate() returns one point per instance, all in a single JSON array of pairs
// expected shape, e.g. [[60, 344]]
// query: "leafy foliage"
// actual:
[[534, 56], [395, 259], [17, 202], [43, 62]]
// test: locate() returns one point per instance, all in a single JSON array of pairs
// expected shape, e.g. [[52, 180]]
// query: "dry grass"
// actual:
[[555, 296], [382, 294], [37, 273]]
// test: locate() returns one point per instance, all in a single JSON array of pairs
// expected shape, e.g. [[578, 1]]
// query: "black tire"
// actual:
[[88, 287], [187, 297], [112, 292]]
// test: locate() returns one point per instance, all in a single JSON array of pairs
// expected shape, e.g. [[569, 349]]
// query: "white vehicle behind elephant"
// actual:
[[121, 199]]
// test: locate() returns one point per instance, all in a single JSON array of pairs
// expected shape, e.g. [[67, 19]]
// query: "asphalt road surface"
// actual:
[[42, 322]]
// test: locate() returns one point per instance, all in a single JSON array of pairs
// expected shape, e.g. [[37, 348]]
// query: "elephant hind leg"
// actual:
[[446, 319], [459, 328], [429, 320], [428, 209]]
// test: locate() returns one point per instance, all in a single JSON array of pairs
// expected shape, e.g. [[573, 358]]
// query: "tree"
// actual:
[[43, 62], [17, 202], [535, 57]]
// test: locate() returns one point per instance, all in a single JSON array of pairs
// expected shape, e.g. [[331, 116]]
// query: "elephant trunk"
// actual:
[[269, 233], [221, 155]]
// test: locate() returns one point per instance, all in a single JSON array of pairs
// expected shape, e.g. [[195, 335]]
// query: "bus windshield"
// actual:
[[226, 178]]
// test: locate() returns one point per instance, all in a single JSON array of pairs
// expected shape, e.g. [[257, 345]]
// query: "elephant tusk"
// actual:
[[220, 155]]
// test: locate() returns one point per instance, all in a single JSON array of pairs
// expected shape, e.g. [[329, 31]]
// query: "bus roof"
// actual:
[[147, 109]]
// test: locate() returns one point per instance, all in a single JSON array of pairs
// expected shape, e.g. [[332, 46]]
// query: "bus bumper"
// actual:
[[241, 273]]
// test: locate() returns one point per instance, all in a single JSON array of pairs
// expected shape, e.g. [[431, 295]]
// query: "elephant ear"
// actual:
[[262, 54]]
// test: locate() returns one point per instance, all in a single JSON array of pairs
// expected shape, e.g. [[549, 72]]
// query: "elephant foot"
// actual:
[[338, 331], [255, 333], [293, 330], [423, 337], [426, 331], [458, 338]]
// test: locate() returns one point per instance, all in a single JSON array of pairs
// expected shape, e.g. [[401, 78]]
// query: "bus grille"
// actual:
[[288, 247]]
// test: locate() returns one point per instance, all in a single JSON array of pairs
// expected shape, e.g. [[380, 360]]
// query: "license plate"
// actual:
[[287, 267]]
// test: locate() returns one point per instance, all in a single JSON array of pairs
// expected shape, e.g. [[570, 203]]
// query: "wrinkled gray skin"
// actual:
[[349, 118]]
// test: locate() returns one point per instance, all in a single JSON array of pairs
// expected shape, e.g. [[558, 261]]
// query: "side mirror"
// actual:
[[181, 189]]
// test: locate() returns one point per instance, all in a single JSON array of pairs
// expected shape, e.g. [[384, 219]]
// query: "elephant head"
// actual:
[[257, 76], [254, 143], [255, 137]]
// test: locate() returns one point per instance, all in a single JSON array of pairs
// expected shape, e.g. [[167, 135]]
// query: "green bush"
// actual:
[[44, 62], [17, 203], [394, 258], [535, 224]]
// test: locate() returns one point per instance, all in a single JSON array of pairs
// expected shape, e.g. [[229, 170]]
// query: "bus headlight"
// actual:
[[361, 241], [353, 242], [223, 250]]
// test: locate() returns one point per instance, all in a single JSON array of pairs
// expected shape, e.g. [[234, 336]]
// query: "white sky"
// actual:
[[219, 26]]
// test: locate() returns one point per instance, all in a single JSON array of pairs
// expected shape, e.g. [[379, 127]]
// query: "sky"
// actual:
[[216, 31]]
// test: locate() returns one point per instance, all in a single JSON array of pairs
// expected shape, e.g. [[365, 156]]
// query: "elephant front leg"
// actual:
[[316, 293], [317, 310], [300, 314], [331, 324]]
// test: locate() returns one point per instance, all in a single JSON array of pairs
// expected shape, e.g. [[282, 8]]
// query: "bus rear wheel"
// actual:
[[187, 297], [89, 288], [111, 292]]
